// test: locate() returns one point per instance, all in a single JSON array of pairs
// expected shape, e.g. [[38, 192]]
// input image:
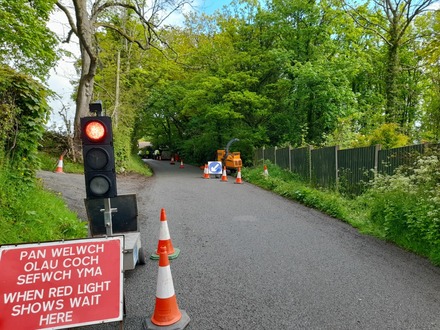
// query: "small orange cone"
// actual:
[[181, 164], [224, 175], [206, 172], [238, 179], [172, 161], [165, 239], [265, 172], [59, 168], [166, 311]]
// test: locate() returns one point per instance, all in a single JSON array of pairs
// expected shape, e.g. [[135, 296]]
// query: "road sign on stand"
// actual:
[[61, 284], [215, 168]]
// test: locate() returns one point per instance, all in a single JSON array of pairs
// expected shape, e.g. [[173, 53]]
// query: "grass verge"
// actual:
[[28, 213]]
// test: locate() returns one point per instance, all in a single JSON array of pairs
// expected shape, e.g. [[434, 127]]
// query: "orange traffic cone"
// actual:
[[59, 168], [206, 172], [172, 161], [238, 179], [165, 239], [265, 172], [224, 175], [166, 311], [181, 164]]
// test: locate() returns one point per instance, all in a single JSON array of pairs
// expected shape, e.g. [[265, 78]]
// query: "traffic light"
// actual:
[[98, 155]]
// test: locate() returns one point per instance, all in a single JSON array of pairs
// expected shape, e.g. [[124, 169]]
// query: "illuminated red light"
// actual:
[[95, 130]]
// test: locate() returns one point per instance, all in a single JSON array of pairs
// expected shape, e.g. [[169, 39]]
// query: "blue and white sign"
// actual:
[[215, 167]]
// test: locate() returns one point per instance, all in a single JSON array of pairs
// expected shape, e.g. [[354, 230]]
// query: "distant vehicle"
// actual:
[[165, 155], [232, 160]]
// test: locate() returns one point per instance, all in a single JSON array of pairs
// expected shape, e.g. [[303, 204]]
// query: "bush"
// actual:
[[23, 112], [405, 207], [387, 135]]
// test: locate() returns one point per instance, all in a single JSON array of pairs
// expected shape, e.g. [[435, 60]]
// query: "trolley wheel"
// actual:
[[142, 257]]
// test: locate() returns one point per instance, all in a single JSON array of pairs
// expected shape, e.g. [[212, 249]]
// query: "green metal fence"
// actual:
[[301, 162], [356, 167], [390, 160], [282, 157], [270, 155], [324, 167], [259, 156], [348, 169]]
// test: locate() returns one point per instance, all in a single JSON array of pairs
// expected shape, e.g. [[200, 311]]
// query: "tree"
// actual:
[[319, 64], [26, 43], [85, 22], [430, 51], [390, 20]]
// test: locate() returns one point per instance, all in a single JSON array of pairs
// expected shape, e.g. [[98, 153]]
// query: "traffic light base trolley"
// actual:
[[117, 216]]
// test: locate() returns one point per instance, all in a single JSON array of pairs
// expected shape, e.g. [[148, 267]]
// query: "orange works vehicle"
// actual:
[[231, 160]]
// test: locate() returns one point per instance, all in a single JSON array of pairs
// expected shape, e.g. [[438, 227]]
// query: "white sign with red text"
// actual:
[[61, 284]]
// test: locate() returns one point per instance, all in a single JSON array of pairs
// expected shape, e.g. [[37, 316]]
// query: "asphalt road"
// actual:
[[253, 260]]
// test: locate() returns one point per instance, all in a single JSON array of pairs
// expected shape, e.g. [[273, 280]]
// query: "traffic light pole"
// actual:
[[108, 216]]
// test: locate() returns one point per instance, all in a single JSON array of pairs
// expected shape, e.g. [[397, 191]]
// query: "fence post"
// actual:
[[309, 151], [264, 147], [290, 158], [376, 159], [275, 155], [336, 168]]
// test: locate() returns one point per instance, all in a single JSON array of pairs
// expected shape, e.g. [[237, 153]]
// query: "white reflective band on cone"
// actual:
[[164, 233], [165, 287]]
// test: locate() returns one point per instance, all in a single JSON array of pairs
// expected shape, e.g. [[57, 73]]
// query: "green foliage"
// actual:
[[54, 142], [323, 94], [30, 214], [24, 111], [387, 135], [26, 42], [123, 151], [295, 73], [405, 208]]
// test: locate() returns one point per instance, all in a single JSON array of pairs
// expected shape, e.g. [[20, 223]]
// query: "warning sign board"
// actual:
[[215, 168], [61, 284]]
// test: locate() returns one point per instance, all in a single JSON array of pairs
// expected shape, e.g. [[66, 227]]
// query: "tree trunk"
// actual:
[[117, 89], [84, 95], [392, 72]]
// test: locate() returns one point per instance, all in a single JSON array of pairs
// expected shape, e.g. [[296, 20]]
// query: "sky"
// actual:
[[64, 72]]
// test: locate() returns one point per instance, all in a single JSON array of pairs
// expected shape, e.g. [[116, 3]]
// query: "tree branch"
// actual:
[[66, 11], [368, 25], [146, 46], [125, 35]]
